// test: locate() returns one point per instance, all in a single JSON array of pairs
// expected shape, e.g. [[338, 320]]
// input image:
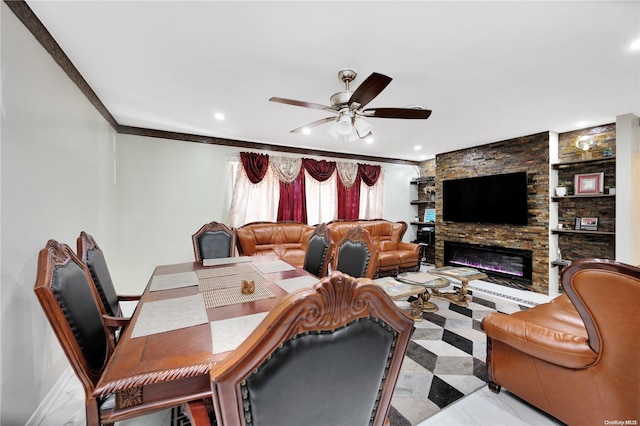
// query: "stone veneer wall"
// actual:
[[589, 246], [527, 153]]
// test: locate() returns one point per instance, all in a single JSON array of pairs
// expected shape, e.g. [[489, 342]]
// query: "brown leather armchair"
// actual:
[[575, 357]]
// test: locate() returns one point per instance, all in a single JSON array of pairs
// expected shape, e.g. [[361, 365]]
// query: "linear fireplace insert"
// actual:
[[515, 264]]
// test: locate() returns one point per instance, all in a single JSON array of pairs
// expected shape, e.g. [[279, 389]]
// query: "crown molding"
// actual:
[[24, 13]]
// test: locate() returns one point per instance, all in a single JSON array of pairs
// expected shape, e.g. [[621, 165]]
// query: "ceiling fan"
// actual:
[[348, 122]]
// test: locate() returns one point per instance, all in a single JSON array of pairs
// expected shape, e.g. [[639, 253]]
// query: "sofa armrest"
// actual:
[[388, 246], [546, 340], [409, 247]]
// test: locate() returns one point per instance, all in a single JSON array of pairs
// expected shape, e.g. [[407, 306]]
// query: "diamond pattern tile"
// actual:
[[445, 360]]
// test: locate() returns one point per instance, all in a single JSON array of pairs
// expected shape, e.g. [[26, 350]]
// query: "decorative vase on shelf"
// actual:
[[561, 191]]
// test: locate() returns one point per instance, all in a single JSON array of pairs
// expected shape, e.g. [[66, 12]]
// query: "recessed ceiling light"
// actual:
[[219, 116], [306, 131], [417, 147], [635, 45], [369, 139]]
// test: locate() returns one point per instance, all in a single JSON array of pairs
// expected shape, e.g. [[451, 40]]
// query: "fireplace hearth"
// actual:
[[495, 261]]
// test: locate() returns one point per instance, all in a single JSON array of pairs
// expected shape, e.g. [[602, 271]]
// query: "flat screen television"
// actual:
[[486, 199]]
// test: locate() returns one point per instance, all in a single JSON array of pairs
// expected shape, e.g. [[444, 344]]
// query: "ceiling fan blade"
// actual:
[[314, 124], [412, 113], [301, 103], [369, 89]]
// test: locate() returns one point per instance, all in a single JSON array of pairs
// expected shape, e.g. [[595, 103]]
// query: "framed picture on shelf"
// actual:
[[589, 183], [429, 215], [587, 223]]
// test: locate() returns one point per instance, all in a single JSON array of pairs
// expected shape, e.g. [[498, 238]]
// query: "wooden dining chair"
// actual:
[[319, 251], [213, 240], [356, 254], [90, 253], [71, 303], [327, 355]]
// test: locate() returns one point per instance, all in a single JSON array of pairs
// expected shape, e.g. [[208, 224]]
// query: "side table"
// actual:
[[462, 273]]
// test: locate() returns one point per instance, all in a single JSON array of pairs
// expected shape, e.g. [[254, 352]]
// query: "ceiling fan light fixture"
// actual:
[[343, 125]]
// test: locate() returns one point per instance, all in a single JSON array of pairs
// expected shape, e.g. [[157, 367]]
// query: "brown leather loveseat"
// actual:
[[288, 240], [576, 357], [393, 255]]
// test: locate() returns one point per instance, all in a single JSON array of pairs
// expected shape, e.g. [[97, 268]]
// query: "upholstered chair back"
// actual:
[[319, 251], [356, 254], [72, 305], [214, 240], [93, 257], [327, 355]]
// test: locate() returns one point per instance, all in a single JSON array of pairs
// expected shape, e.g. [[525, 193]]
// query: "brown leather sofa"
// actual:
[[288, 240], [394, 256], [576, 357]]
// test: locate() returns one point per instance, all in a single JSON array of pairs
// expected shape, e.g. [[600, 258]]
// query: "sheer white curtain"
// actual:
[[254, 202], [371, 199], [322, 199]]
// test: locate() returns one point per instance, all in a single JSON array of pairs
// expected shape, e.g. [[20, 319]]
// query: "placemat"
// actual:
[[232, 296], [227, 334], [170, 314], [225, 260], [273, 266], [292, 284], [177, 280], [217, 283], [225, 270]]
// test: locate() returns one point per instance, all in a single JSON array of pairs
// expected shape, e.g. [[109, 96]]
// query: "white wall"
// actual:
[[167, 190], [628, 189], [57, 179], [397, 196]]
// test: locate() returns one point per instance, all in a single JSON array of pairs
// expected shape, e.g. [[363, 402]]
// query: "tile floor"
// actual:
[[480, 408]]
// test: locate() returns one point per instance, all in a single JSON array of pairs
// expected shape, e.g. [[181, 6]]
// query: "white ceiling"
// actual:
[[490, 71]]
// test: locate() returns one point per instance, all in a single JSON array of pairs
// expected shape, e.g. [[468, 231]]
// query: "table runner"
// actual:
[[217, 283], [176, 280], [170, 314], [225, 271], [227, 334], [233, 295], [292, 284]]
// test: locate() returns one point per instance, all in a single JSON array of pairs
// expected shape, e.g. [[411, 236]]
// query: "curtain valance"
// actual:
[[287, 169], [332, 190]]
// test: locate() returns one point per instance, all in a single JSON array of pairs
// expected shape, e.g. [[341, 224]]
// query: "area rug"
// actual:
[[445, 360]]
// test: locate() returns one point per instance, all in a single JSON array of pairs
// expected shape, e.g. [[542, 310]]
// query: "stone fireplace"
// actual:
[[501, 262]]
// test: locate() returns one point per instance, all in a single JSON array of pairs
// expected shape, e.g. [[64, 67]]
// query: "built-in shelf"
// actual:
[[417, 202], [422, 180], [581, 162], [423, 223], [579, 231], [557, 198]]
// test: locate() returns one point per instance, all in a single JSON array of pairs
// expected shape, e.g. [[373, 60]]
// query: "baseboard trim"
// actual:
[[40, 414]]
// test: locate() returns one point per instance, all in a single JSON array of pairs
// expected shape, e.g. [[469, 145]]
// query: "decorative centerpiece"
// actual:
[[247, 287]]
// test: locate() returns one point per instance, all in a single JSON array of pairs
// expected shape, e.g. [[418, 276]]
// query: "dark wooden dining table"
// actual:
[[165, 369]]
